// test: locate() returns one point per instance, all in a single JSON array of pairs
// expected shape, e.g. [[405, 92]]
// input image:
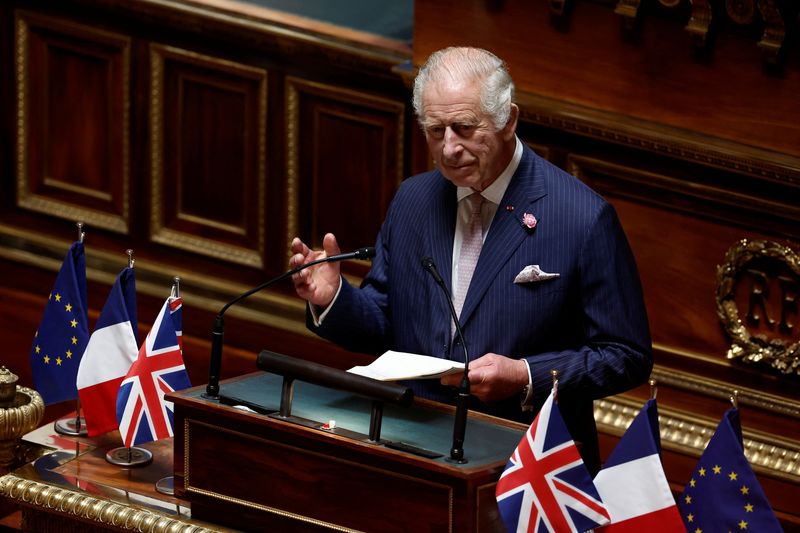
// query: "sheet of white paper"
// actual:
[[393, 366]]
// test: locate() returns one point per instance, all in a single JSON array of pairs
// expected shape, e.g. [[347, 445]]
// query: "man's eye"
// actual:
[[436, 131], [463, 129]]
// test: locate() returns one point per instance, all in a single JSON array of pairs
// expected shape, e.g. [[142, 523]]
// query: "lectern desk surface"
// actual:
[[424, 426], [257, 471]]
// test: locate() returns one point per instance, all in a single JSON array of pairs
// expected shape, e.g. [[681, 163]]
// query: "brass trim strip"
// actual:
[[292, 163], [273, 510], [493, 487], [70, 503], [208, 247], [719, 389], [325, 457], [186, 435]]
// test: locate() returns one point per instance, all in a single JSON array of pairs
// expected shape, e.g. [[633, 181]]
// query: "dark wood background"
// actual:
[[204, 135]]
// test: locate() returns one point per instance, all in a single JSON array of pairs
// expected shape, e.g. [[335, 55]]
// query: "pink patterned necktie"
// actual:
[[470, 251]]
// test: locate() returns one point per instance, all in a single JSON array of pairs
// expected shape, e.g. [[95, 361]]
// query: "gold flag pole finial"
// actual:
[[131, 260], [735, 399], [554, 373], [653, 388], [81, 234]]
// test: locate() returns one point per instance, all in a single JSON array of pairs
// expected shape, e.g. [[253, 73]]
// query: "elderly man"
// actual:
[[541, 273]]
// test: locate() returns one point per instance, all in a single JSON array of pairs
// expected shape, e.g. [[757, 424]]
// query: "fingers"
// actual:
[[330, 245], [299, 251], [493, 377], [478, 377], [317, 284], [298, 247], [303, 254]]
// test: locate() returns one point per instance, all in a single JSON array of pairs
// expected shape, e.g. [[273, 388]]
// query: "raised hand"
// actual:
[[318, 284]]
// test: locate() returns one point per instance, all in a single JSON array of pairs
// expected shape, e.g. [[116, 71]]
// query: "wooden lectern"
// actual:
[[251, 469]]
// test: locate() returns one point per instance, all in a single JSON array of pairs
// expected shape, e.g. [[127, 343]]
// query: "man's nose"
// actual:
[[452, 143]]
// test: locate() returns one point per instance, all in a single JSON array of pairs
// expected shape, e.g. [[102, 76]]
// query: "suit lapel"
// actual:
[[441, 229], [507, 231]]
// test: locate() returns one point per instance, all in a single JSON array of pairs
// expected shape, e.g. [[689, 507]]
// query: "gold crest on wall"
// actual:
[[758, 295]]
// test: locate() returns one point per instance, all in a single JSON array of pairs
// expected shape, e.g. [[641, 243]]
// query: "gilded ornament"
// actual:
[[21, 410], [767, 331]]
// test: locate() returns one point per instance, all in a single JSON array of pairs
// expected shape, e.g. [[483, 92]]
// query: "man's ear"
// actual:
[[511, 125]]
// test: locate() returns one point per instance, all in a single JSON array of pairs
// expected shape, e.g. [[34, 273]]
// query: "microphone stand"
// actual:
[[217, 334], [462, 400]]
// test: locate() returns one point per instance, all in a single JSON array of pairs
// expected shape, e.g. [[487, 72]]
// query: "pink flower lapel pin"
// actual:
[[529, 221]]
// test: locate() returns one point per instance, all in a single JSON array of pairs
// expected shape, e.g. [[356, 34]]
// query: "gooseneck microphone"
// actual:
[[462, 401], [212, 389]]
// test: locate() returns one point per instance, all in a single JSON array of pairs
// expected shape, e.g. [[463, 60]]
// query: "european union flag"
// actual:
[[63, 332], [724, 494]]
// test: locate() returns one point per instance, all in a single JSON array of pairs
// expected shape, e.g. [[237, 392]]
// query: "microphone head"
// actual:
[[427, 263], [368, 252]]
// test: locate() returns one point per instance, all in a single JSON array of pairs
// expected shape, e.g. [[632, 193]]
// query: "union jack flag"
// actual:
[[142, 412], [545, 485]]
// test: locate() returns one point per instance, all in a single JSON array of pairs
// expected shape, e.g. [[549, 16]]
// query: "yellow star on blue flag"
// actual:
[[63, 332]]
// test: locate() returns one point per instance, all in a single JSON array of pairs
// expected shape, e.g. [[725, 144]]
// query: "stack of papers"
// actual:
[[394, 366]]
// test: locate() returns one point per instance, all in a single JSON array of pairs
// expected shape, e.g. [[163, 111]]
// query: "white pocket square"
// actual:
[[533, 273]]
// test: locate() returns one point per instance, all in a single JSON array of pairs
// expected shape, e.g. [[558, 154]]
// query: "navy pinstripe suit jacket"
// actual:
[[590, 323]]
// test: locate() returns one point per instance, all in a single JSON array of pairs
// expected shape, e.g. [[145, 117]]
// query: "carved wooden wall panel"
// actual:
[[72, 120], [345, 153], [208, 138]]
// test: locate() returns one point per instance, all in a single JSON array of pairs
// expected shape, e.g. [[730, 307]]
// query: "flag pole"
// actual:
[[68, 426], [129, 455], [735, 399], [166, 485], [653, 388]]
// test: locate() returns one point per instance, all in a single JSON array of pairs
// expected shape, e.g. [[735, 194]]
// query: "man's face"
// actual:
[[461, 137]]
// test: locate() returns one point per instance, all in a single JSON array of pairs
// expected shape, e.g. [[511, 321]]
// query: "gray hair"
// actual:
[[465, 63]]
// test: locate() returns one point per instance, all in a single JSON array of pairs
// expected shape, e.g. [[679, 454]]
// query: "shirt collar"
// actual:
[[494, 192]]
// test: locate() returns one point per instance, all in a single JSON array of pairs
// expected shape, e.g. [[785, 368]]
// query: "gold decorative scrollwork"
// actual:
[[781, 351]]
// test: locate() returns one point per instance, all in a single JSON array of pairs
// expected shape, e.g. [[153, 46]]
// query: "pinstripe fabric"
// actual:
[[590, 323]]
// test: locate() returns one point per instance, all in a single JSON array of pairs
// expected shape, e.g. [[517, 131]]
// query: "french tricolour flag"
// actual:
[[632, 483], [111, 351]]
